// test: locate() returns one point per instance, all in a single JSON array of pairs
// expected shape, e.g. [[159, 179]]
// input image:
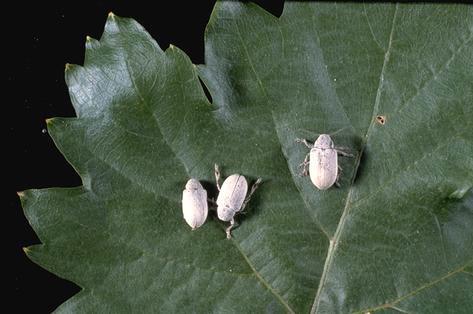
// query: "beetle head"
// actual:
[[225, 213], [324, 141], [193, 184]]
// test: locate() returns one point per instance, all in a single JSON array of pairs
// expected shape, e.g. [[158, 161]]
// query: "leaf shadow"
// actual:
[[252, 208], [352, 143], [360, 170], [211, 188]]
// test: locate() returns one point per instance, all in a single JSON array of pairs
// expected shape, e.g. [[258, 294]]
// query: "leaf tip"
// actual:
[[26, 250], [111, 15], [67, 67], [49, 121], [90, 42], [24, 196]]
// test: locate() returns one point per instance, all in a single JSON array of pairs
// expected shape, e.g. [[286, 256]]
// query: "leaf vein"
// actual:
[[257, 275], [399, 309], [143, 187], [419, 289], [260, 83], [262, 280], [467, 272], [435, 76], [155, 118], [371, 28], [384, 186], [328, 78], [306, 205]]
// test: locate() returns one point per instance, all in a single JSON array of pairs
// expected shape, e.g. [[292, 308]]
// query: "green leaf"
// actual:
[[396, 236]]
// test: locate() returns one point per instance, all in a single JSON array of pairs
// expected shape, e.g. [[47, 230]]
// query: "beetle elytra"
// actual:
[[194, 204], [322, 161], [232, 197]]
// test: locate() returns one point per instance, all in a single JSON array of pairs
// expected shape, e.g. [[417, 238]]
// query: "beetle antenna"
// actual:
[[317, 134], [217, 175], [309, 131], [338, 131]]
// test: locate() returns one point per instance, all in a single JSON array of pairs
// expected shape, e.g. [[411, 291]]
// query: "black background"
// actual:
[[38, 39]]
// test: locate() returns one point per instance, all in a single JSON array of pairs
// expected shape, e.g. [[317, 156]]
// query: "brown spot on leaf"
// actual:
[[381, 120]]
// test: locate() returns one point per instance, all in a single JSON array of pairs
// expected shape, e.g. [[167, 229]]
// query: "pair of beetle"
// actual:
[[323, 169], [231, 199]]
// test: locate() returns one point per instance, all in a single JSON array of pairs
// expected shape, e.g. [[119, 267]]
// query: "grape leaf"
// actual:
[[396, 236]]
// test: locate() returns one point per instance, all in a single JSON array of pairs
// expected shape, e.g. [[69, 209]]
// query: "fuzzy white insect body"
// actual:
[[322, 161], [194, 204], [231, 197], [323, 167]]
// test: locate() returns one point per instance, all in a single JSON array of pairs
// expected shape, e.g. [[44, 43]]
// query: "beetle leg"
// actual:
[[212, 201], [217, 176], [337, 181], [253, 189], [304, 166], [304, 141], [342, 151], [233, 224]]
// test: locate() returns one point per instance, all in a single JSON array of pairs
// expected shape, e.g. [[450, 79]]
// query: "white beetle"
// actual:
[[232, 197], [194, 204], [323, 164]]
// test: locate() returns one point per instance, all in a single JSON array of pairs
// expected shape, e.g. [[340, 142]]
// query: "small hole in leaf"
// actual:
[[206, 90], [381, 120]]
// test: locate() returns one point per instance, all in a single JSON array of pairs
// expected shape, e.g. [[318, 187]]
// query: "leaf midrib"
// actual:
[[334, 241]]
